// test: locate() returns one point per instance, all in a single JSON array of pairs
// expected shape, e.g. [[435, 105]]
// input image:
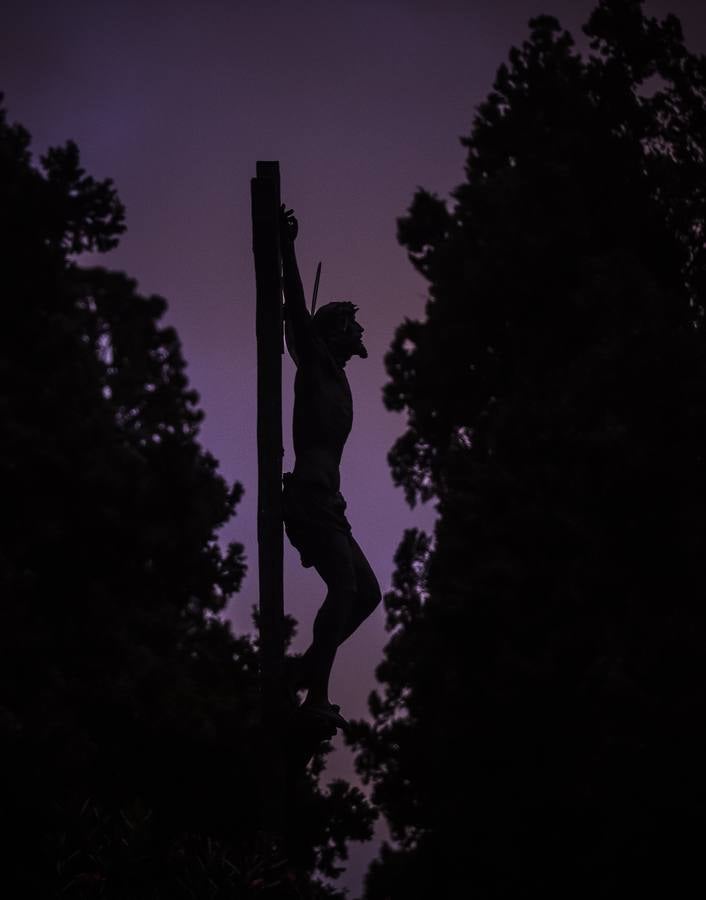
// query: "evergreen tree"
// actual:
[[539, 729], [129, 710]]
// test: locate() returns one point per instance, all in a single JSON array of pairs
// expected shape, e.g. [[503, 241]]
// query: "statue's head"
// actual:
[[336, 324]]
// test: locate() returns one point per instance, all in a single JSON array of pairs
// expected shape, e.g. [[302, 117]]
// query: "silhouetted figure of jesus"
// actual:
[[314, 509]]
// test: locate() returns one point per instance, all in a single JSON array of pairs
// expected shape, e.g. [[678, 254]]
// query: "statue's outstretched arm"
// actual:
[[298, 328]]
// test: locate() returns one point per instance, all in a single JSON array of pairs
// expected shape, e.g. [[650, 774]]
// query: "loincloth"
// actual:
[[311, 512]]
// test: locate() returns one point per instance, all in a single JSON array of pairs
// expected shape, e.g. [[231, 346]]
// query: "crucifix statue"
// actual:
[[312, 504], [307, 501]]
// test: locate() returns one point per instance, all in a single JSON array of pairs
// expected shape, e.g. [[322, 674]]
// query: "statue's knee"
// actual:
[[341, 595], [349, 594], [374, 595]]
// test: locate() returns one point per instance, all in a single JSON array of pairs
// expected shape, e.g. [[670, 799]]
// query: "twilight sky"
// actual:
[[360, 101]]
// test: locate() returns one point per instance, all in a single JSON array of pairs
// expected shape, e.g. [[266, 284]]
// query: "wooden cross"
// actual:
[[268, 277], [289, 739]]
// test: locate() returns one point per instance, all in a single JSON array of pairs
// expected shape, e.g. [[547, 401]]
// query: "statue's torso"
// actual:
[[323, 417]]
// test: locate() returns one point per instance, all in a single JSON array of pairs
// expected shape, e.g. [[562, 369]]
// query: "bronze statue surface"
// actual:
[[313, 506]]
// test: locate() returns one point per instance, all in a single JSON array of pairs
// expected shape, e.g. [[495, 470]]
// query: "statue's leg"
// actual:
[[334, 563], [357, 608], [367, 595]]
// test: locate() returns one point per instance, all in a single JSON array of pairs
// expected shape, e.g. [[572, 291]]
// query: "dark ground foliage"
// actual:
[[129, 713], [539, 730]]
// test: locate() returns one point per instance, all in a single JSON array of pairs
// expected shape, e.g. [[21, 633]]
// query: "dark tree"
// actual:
[[540, 730], [128, 708]]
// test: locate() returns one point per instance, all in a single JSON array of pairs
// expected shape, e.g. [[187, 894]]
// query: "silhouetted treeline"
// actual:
[[540, 726], [128, 708]]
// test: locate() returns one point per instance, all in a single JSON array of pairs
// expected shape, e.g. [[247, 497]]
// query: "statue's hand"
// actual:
[[289, 227]]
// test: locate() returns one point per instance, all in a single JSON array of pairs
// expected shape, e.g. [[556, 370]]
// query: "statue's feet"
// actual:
[[294, 678], [329, 713]]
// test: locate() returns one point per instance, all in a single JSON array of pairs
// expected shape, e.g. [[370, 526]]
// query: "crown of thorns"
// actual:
[[332, 316]]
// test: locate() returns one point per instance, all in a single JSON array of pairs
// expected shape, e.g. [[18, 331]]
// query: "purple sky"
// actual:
[[361, 101]]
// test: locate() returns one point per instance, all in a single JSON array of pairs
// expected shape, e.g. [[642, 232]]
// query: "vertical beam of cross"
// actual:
[[268, 276]]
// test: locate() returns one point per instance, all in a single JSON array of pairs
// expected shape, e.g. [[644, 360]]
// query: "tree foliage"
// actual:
[[538, 729], [129, 713]]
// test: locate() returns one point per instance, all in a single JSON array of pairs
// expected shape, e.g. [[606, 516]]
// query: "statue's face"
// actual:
[[347, 339], [350, 339], [356, 330]]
